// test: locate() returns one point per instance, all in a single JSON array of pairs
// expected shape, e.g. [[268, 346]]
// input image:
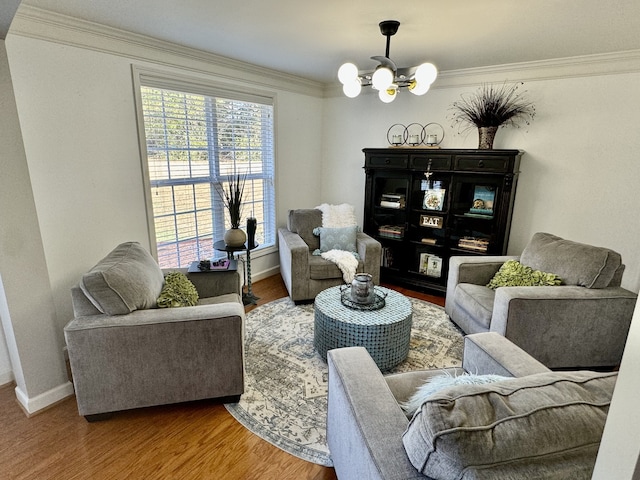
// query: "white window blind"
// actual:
[[194, 141]]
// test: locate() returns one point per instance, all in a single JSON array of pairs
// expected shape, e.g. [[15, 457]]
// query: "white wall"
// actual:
[[579, 174], [26, 305]]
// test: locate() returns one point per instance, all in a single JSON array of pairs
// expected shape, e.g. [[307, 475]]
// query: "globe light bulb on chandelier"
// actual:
[[387, 78]]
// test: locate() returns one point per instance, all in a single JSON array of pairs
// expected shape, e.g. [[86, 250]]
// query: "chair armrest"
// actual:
[[478, 270], [566, 326], [489, 353], [294, 262], [370, 252], [364, 422], [212, 284]]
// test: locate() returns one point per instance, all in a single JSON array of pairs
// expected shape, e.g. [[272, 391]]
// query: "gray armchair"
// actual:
[[370, 437], [582, 323], [125, 353], [304, 274]]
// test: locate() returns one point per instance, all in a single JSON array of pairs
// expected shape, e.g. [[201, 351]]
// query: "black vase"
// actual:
[[251, 232]]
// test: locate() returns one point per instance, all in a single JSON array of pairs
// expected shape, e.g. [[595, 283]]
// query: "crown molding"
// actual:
[[616, 63], [42, 24]]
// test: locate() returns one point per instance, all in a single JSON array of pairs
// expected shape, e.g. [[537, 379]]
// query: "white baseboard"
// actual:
[[265, 273], [44, 400], [6, 377]]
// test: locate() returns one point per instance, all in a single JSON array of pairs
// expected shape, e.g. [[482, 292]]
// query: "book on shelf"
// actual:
[[430, 265], [387, 257], [429, 241], [392, 200], [391, 231], [483, 199], [474, 243]]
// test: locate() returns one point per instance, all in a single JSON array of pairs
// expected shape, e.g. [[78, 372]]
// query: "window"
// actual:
[[197, 139]]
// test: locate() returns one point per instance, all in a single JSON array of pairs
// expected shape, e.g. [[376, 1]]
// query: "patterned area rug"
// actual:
[[285, 399]]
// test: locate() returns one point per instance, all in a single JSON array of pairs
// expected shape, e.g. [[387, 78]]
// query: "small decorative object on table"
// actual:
[[492, 107], [415, 135], [205, 266], [251, 232], [361, 294], [232, 199]]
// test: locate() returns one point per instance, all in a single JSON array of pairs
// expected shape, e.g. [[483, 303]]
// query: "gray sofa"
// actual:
[[582, 323], [542, 424], [125, 353], [304, 274]]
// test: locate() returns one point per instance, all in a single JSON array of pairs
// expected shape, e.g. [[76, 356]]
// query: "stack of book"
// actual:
[[392, 200], [391, 231], [473, 243]]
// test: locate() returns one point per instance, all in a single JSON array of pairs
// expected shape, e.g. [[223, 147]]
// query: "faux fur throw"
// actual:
[[346, 262], [337, 216]]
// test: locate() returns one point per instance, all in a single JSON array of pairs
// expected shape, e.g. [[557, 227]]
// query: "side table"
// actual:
[[385, 333], [248, 298]]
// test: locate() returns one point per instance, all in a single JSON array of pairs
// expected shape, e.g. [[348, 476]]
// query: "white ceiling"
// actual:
[[312, 39]]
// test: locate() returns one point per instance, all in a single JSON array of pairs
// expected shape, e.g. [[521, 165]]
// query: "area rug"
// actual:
[[285, 399]]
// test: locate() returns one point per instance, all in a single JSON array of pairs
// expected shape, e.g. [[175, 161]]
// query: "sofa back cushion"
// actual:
[[303, 222], [127, 279], [576, 263], [547, 419]]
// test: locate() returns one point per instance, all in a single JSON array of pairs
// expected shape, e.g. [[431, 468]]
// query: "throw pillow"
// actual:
[[178, 291], [336, 216], [343, 238], [514, 274], [440, 382], [127, 279], [541, 424]]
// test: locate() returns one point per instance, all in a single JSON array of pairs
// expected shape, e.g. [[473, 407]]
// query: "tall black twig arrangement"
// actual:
[[231, 196], [493, 106]]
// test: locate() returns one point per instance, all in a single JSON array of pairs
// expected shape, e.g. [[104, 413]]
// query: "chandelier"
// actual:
[[387, 78]]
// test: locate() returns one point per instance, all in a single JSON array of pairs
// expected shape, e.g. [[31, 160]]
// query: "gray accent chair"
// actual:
[[126, 353], [369, 435], [582, 323], [304, 274]]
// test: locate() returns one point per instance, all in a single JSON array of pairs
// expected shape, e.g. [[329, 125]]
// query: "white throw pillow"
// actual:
[[336, 216]]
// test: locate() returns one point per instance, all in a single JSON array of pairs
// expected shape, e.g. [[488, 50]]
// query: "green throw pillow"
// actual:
[[514, 274], [177, 291]]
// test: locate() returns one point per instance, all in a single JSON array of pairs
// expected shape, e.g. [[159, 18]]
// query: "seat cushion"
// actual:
[[476, 301], [473, 431], [576, 263], [127, 279], [321, 269]]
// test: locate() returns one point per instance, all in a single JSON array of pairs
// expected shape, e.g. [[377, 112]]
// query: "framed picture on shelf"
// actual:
[[434, 199], [434, 268]]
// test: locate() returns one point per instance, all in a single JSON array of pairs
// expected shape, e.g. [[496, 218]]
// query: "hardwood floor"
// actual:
[[198, 440]]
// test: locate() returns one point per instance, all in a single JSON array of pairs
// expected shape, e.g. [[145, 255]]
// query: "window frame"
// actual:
[[146, 77]]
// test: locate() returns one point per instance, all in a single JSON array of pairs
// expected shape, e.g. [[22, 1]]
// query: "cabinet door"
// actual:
[[476, 213], [390, 194]]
